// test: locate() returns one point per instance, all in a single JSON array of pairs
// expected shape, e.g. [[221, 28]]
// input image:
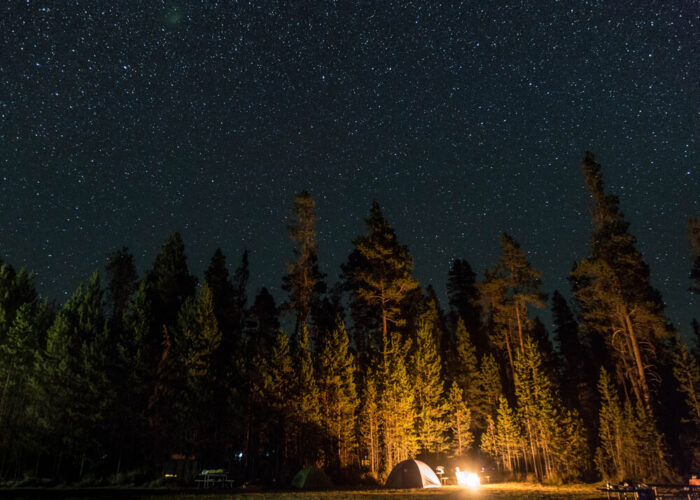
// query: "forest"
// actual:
[[133, 371]]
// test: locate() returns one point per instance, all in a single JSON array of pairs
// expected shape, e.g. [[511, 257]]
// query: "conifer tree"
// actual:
[[17, 355], [490, 387], [459, 416], [469, 378], [16, 288], [169, 282], [73, 385], [303, 280], [224, 299], [396, 404], [573, 356], [378, 276], [338, 397], [687, 373], [464, 302], [428, 390], [370, 425], [263, 323], [165, 411], [509, 436], [199, 344], [122, 284], [613, 289], [307, 413], [201, 336], [624, 430], [522, 284], [280, 380], [467, 369]]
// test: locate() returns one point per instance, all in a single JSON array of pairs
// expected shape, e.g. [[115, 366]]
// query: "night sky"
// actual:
[[122, 122]]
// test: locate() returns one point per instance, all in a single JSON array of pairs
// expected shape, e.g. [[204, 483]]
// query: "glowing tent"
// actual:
[[311, 478], [412, 474]]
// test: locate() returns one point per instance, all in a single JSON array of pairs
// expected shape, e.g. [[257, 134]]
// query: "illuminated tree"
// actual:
[[378, 276], [459, 418], [624, 430], [396, 404], [490, 387], [510, 442], [428, 390], [369, 425], [687, 373], [522, 284], [337, 396], [307, 413], [612, 287]]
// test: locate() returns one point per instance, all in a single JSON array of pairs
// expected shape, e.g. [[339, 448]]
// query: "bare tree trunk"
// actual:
[[638, 361], [520, 327]]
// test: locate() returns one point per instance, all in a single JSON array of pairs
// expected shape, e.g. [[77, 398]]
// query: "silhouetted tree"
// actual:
[[303, 280]]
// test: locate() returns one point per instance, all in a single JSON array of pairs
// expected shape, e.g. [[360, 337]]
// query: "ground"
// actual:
[[498, 491]]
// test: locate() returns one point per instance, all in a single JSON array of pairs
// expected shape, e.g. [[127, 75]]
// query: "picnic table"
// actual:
[[653, 491], [213, 479]]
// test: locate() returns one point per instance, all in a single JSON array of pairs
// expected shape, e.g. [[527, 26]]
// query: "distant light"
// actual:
[[468, 479], [171, 475]]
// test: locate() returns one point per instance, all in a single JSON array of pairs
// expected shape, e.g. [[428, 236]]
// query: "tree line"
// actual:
[[124, 377]]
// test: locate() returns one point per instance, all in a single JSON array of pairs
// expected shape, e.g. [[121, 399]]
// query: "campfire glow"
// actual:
[[468, 479]]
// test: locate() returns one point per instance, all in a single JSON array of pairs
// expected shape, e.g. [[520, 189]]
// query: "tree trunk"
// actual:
[[639, 363], [520, 327]]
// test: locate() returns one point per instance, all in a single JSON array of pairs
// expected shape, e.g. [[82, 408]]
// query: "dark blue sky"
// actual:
[[121, 122]]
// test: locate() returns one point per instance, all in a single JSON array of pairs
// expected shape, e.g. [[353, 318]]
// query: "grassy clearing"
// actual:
[[498, 491], [491, 491]]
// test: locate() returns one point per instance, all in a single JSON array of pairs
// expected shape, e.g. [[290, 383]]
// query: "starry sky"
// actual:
[[122, 122]]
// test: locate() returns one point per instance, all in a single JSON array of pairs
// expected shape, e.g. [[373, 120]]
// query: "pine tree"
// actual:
[[72, 385], [509, 436], [262, 325], [369, 424], [338, 397], [490, 387], [687, 373], [396, 404], [613, 289], [122, 284], [624, 430], [378, 276], [307, 413], [464, 302], [469, 378], [16, 288], [522, 284], [428, 390], [165, 409], [303, 280], [280, 381], [609, 453], [224, 299], [17, 355], [459, 416]]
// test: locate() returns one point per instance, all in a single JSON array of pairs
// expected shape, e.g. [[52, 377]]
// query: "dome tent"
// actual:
[[311, 478], [412, 474]]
